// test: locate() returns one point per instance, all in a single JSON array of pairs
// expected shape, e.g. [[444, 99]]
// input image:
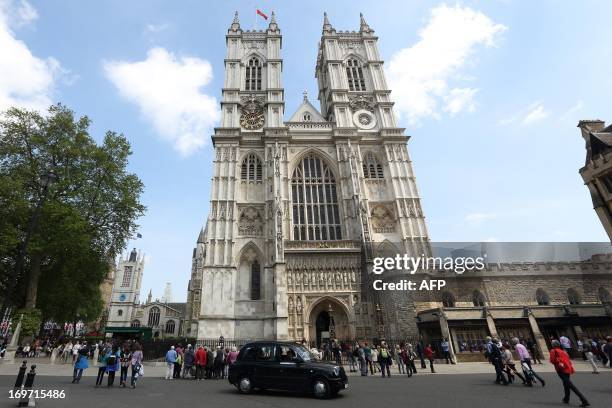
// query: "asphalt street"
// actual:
[[430, 391]]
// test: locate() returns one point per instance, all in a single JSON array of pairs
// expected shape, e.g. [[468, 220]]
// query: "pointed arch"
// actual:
[[249, 277], [251, 167], [354, 74], [253, 73], [372, 169], [314, 195]]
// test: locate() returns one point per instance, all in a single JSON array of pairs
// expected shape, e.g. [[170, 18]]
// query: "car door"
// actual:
[[292, 372]]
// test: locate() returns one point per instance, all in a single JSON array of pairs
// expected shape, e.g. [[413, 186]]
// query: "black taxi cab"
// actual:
[[285, 366]]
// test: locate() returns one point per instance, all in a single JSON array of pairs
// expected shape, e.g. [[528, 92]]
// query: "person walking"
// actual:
[[409, 357], [429, 354], [509, 365], [375, 363], [176, 373], [367, 351], [384, 359], [136, 364], [361, 359], [81, 364], [398, 359], [200, 363], [607, 349], [563, 365], [493, 353], [420, 349], [352, 356], [113, 363], [525, 360], [170, 360], [566, 343]]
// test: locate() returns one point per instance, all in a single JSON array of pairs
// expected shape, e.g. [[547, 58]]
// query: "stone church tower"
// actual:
[[298, 207], [125, 295]]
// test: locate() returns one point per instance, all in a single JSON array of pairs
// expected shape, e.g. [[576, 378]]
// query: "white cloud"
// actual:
[[25, 79], [460, 99], [167, 89], [420, 75], [156, 28], [535, 114], [477, 218]]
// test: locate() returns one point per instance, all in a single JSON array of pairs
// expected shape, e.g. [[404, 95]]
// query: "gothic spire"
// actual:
[[273, 26], [327, 27], [235, 23], [363, 26]]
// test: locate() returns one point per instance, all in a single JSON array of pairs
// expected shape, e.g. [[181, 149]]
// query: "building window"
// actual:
[[371, 167], [127, 277], [255, 281], [307, 117], [120, 312], [542, 297], [354, 73], [478, 298], [136, 323], [603, 295], [154, 316], [448, 300], [253, 75], [316, 215], [170, 327], [573, 297], [607, 181], [251, 168]]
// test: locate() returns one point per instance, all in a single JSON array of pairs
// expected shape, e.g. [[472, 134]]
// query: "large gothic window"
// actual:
[[127, 276], [315, 201], [154, 316], [255, 281], [253, 75], [354, 73], [170, 325], [371, 167], [251, 168]]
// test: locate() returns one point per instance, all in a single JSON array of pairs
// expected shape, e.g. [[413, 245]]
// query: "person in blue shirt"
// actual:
[[170, 360]]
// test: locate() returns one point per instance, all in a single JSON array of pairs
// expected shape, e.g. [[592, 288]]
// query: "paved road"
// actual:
[[431, 391]]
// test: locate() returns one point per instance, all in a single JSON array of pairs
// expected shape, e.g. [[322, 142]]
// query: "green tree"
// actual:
[[86, 216]]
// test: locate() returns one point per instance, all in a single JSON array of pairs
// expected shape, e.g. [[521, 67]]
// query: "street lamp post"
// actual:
[[46, 180]]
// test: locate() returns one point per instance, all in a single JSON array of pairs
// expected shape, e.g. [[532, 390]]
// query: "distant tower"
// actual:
[[149, 296], [167, 293], [126, 290]]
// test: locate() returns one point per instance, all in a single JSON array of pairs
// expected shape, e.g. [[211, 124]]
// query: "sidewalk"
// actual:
[[158, 369]]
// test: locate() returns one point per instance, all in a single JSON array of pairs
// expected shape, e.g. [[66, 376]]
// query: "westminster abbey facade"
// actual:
[[295, 204]]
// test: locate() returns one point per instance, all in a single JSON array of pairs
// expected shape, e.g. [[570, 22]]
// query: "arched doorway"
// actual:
[[328, 320]]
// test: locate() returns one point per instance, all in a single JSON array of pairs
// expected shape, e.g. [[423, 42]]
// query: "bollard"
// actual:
[[28, 400], [21, 374]]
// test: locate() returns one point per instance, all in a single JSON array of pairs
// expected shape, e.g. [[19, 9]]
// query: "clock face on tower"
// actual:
[[252, 120], [122, 297]]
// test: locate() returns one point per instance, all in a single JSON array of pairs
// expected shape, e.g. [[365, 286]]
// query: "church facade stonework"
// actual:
[[295, 205]]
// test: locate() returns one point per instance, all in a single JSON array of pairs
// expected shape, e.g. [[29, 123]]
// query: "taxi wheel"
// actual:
[[321, 389], [244, 385]]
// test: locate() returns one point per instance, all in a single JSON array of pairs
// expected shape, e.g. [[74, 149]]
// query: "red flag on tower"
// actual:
[[261, 13]]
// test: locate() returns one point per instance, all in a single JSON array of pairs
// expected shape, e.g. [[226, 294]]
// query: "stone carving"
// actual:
[[382, 219], [251, 108], [250, 222], [358, 102]]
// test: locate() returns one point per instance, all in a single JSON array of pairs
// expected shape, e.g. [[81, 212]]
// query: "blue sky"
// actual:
[[490, 92]]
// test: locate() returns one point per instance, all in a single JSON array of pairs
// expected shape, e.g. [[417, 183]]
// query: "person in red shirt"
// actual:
[[200, 362], [563, 365], [429, 354]]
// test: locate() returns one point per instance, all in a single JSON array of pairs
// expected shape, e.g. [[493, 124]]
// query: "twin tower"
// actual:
[[297, 204]]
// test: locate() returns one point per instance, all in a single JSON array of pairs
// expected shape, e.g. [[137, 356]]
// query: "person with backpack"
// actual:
[[563, 365], [178, 364], [136, 363], [384, 359], [125, 358], [218, 364], [80, 364], [188, 361], [494, 355], [113, 364]]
